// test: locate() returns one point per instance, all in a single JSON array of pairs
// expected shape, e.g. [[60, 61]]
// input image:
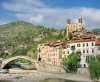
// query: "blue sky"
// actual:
[[52, 13]]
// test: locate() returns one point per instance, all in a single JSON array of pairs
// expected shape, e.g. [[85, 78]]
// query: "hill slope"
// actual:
[[96, 30], [17, 38]]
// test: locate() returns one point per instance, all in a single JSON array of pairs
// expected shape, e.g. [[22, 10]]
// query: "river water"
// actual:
[[57, 80], [47, 80]]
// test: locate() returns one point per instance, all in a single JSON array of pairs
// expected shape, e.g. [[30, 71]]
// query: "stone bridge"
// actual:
[[38, 65], [6, 61], [41, 66]]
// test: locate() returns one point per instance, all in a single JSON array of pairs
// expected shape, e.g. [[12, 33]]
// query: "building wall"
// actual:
[[98, 49], [72, 27], [86, 49], [50, 68], [50, 55], [69, 28], [53, 55]]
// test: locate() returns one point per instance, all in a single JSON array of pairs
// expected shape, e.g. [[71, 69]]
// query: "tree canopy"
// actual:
[[94, 67], [71, 62]]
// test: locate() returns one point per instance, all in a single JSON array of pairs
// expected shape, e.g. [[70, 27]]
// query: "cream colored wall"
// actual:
[[74, 27], [50, 54], [79, 26]]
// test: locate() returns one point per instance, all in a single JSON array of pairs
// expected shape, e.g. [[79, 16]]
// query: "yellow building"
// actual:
[[74, 27]]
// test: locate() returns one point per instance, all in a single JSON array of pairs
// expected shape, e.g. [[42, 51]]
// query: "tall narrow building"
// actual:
[[69, 27], [79, 24]]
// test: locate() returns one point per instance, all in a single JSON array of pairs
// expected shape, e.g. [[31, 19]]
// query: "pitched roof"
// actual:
[[84, 38], [54, 43]]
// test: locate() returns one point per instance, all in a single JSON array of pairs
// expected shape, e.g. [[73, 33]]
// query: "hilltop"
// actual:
[[96, 30], [19, 37]]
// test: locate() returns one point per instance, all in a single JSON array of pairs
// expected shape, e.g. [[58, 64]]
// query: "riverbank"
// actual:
[[36, 76]]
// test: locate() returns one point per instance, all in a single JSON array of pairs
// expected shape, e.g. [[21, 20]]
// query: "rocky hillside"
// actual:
[[21, 38]]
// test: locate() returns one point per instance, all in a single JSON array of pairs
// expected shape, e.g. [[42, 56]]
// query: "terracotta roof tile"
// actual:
[[78, 40]]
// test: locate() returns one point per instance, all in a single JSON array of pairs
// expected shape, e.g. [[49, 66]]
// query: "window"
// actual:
[[87, 51], [92, 50], [87, 44], [68, 46], [78, 45], [84, 65], [39, 59], [83, 44], [83, 51], [92, 44], [72, 48], [68, 52]]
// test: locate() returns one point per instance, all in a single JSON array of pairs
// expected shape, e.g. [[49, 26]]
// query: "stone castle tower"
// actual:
[[74, 27]]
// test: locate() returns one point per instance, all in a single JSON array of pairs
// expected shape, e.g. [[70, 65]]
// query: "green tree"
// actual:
[[94, 68], [33, 51], [71, 62], [20, 51]]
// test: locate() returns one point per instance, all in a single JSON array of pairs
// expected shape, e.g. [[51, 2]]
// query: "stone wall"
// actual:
[[50, 68], [83, 71]]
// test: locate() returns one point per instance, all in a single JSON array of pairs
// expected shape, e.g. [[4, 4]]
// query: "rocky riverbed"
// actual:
[[36, 76]]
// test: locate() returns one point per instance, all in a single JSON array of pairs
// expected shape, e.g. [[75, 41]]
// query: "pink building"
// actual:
[[51, 52]]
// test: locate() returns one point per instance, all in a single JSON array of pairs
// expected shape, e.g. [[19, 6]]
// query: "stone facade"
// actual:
[[50, 68], [53, 52], [50, 52], [74, 27]]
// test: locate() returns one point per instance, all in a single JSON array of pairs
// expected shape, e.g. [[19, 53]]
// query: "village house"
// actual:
[[51, 52], [87, 43]]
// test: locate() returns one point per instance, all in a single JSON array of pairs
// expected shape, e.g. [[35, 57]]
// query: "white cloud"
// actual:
[[36, 11], [30, 17], [23, 5], [37, 18], [91, 13], [1, 22]]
